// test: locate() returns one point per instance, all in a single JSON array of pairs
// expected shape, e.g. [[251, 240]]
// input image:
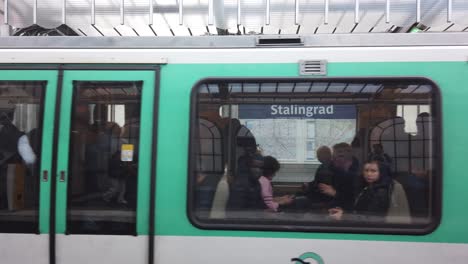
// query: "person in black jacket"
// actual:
[[323, 175], [334, 181], [245, 190], [373, 199], [345, 171]]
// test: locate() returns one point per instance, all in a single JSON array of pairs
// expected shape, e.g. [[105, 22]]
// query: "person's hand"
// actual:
[[286, 199], [335, 213], [200, 178], [327, 189]]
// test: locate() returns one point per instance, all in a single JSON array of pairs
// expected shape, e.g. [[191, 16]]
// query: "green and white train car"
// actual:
[[128, 150]]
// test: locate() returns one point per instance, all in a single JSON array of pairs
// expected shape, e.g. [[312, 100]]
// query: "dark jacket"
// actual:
[[343, 181], [245, 191], [324, 174], [374, 199], [345, 185]]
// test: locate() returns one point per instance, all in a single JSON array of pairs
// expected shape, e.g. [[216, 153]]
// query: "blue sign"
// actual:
[[255, 111]]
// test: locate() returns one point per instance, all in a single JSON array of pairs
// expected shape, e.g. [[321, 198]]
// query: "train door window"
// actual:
[[355, 155], [103, 162], [21, 104]]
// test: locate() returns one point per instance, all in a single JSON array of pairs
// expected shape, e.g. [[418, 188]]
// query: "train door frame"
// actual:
[[37, 244], [149, 101]]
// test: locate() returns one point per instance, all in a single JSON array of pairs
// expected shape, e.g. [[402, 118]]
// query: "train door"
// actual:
[[104, 166], [27, 105]]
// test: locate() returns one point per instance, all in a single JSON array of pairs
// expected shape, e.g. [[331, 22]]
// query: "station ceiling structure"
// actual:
[[236, 17]]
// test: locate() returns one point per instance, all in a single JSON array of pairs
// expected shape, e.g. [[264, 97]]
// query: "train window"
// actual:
[[104, 157], [21, 104], [353, 155]]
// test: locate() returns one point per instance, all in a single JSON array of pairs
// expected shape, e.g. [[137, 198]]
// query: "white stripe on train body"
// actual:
[[24, 248], [81, 249], [206, 56], [235, 250]]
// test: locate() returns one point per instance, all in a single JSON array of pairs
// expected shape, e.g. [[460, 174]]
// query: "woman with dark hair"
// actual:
[[270, 167], [374, 198]]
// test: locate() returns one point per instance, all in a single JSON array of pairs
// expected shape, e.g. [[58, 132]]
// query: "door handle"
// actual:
[[62, 176], [45, 175]]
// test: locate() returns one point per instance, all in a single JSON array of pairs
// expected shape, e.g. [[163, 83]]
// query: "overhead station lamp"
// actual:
[[417, 27]]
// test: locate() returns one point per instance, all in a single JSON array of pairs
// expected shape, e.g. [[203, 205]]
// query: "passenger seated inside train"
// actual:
[[345, 169], [373, 200], [313, 197], [323, 173], [245, 189], [272, 203], [334, 181]]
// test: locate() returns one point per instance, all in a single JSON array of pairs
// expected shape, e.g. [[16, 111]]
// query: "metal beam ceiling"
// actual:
[[212, 17]]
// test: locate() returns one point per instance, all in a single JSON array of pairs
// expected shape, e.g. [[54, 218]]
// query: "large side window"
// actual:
[[321, 155], [21, 104]]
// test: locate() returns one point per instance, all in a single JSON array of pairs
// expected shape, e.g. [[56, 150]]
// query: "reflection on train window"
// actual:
[[316, 155], [21, 104], [104, 157]]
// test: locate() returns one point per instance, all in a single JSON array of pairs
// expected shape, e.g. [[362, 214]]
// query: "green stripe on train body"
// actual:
[[177, 81]]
